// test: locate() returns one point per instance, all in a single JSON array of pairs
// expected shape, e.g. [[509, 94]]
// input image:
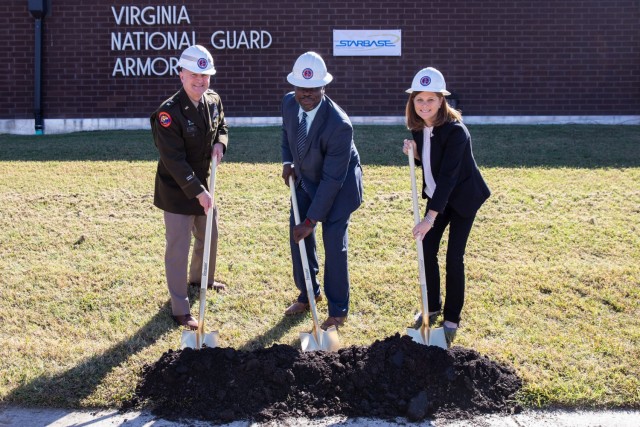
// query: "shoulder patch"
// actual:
[[165, 119]]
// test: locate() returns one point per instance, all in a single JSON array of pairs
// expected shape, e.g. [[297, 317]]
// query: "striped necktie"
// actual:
[[302, 134]]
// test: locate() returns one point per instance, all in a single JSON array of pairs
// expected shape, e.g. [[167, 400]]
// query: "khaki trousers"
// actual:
[[178, 232]]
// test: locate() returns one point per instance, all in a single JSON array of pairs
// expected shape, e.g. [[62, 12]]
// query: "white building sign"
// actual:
[[367, 43]]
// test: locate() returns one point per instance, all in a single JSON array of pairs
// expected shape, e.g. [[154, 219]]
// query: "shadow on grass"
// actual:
[[268, 338], [68, 389], [574, 146], [274, 334]]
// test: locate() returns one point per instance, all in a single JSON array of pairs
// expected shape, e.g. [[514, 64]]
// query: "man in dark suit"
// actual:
[[319, 153], [188, 129]]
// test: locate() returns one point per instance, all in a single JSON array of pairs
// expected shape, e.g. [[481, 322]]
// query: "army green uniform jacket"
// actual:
[[185, 142]]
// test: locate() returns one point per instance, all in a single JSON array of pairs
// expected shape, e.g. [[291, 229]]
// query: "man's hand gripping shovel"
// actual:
[[422, 335], [196, 339], [318, 339]]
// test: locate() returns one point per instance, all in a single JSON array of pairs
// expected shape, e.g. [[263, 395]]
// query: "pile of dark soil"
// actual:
[[393, 378]]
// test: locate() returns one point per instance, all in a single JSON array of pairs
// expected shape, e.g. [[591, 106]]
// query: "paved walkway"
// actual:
[[22, 417]]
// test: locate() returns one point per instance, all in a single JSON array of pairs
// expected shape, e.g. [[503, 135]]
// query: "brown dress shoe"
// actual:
[[216, 286], [187, 321], [299, 307], [333, 321]]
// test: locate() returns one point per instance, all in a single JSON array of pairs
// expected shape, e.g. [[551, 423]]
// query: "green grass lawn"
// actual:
[[553, 262]]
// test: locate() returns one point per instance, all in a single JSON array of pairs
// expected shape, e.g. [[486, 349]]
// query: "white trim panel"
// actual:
[[57, 126]]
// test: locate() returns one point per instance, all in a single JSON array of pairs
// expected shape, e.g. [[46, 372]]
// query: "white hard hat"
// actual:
[[429, 80], [309, 71], [197, 59]]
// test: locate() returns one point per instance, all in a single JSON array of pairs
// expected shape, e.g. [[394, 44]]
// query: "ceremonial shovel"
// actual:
[[195, 339], [318, 339], [422, 335]]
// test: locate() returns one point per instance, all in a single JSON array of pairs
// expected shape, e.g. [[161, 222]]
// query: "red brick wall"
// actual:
[[501, 57]]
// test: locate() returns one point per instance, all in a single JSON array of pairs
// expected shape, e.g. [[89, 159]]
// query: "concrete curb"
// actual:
[[11, 416]]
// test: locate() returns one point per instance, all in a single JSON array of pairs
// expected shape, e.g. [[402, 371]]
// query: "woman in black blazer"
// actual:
[[452, 185]]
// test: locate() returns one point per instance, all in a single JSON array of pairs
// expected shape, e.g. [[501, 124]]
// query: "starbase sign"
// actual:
[[367, 43]]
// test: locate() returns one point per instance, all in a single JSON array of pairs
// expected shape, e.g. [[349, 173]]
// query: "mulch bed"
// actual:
[[392, 378]]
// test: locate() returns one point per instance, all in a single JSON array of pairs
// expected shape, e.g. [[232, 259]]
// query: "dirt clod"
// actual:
[[393, 378]]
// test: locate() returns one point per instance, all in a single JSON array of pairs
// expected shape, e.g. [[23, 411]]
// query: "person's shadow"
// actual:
[[269, 337], [275, 333], [82, 380]]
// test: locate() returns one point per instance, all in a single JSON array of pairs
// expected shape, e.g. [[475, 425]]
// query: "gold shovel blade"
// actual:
[[190, 339], [308, 342], [436, 337], [329, 340]]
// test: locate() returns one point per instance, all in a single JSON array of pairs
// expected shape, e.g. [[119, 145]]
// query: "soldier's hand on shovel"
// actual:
[[217, 152], [205, 200]]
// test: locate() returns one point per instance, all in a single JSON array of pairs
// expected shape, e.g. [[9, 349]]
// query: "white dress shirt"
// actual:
[[426, 162], [310, 116]]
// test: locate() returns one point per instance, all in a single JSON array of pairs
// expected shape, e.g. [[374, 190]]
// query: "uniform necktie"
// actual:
[[202, 112]]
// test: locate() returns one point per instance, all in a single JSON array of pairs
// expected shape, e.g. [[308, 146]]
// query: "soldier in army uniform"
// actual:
[[188, 129]]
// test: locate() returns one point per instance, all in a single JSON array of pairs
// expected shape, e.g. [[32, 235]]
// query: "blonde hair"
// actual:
[[445, 114]]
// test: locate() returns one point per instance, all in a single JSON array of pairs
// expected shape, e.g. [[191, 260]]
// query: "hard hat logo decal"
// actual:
[[164, 119], [428, 79], [202, 63], [425, 81], [307, 73]]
